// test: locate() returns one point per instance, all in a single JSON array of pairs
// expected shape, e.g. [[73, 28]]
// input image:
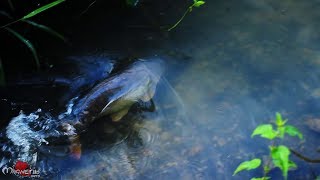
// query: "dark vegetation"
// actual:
[[20, 36], [30, 41]]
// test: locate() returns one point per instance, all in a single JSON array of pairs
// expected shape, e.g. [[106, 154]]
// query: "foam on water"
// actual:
[[30, 132], [69, 107], [23, 136]]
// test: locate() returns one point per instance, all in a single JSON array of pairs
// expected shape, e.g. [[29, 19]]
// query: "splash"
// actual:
[[23, 136], [69, 109]]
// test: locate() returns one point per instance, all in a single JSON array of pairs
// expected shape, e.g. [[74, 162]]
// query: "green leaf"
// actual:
[[198, 3], [279, 120], [43, 8], [248, 165], [280, 158], [46, 29], [292, 165], [293, 131], [261, 178], [27, 43], [265, 131]]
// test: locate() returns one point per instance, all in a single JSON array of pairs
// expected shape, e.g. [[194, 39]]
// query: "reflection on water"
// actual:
[[246, 61]]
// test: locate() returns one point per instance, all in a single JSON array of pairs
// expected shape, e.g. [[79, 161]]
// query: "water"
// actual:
[[248, 62], [231, 66]]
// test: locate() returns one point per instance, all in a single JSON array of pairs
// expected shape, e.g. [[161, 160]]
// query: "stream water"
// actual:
[[231, 65]]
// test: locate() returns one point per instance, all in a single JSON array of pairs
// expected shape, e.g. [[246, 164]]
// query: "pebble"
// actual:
[[313, 124]]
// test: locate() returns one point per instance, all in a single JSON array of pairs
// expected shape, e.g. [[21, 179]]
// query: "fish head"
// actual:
[[152, 69], [155, 67]]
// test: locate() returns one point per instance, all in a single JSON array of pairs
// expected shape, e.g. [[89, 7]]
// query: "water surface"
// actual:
[[231, 66]]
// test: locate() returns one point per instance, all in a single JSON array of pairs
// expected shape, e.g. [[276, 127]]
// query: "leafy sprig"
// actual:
[[196, 3], [279, 154]]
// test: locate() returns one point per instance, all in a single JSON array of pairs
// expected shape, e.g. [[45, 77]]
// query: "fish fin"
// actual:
[[75, 147], [148, 95], [119, 115], [105, 107]]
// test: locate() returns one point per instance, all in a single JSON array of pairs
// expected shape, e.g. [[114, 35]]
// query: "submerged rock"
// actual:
[[313, 124]]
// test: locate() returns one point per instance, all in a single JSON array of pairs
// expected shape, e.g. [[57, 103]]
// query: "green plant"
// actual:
[[25, 40], [196, 3], [279, 155], [27, 43], [35, 12]]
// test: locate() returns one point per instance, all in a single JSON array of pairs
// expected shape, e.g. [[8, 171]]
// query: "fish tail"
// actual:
[[75, 147]]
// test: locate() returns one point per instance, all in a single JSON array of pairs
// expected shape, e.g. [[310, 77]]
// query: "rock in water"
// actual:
[[314, 124]]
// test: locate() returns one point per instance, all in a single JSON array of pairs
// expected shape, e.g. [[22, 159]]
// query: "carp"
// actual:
[[114, 97]]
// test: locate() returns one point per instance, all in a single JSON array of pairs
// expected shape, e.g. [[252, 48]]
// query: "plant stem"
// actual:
[[268, 163], [304, 158], [10, 23], [184, 15]]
